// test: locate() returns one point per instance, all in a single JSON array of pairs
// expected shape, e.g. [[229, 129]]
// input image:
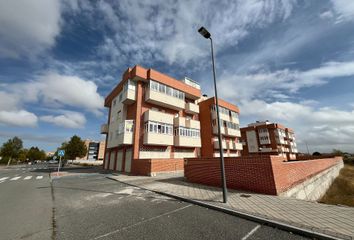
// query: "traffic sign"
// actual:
[[61, 153]]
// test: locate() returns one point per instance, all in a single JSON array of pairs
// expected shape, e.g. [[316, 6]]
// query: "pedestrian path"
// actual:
[[337, 221], [19, 178]]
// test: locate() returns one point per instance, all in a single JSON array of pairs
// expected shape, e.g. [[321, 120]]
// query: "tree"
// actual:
[[22, 156], [316, 154], [74, 148], [337, 152], [35, 154], [11, 149]]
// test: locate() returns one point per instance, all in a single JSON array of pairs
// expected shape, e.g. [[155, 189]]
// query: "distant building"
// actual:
[[268, 138], [230, 128], [95, 150], [49, 154]]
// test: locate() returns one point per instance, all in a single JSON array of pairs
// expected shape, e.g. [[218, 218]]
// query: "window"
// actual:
[[162, 88], [187, 132], [156, 127]]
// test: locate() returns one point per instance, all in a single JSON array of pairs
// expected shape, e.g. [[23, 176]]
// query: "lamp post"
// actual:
[[207, 35]]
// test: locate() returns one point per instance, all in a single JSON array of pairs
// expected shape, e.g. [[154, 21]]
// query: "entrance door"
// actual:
[[106, 161], [119, 160], [112, 160], [128, 160]]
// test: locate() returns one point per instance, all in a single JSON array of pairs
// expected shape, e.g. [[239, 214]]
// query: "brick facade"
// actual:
[[262, 174]]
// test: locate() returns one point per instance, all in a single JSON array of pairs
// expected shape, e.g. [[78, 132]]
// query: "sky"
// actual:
[[285, 61]]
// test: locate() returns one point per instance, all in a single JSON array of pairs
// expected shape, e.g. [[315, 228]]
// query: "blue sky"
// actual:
[[290, 62]]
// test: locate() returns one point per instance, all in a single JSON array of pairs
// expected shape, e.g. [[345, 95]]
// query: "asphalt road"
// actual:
[[90, 206]]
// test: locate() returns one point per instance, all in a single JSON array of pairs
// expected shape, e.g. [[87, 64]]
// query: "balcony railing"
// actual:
[[232, 132], [186, 122], [184, 141], [223, 143], [164, 100], [128, 96], [156, 116], [192, 108]]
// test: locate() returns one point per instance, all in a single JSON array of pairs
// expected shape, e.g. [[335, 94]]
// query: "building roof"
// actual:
[[222, 103], [139, 73]]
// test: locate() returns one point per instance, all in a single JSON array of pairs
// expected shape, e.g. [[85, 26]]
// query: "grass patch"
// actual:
[[342, 189]]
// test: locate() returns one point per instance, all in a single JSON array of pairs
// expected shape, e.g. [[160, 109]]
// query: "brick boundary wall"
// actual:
[[149, 167], [262, 174], [297, 172]]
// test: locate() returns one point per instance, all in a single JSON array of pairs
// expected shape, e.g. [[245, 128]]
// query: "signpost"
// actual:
[[61, 153]]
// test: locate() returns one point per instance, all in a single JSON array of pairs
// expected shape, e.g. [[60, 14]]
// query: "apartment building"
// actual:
[[268, 138], [230, 128], [153, 122], [95, 150]]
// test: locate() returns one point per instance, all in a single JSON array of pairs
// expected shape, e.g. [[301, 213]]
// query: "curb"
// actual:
[[261, 220]]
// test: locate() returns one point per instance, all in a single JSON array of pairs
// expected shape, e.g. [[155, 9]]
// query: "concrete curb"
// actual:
[[261, 220]]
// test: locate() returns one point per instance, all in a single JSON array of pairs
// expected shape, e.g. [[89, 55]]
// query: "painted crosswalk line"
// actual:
[[39, 177], [15, 178], [28, 177], [4, 178]]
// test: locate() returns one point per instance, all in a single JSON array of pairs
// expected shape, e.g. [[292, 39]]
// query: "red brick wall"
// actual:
[[148, 166], [244, 173], [290, 174], [261, 174]]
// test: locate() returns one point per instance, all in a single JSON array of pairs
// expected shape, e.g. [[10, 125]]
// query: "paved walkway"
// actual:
[[332, 220]]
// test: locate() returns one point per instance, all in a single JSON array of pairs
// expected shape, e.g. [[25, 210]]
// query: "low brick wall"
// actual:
[[290, 174], [261, 174], [150, 167]]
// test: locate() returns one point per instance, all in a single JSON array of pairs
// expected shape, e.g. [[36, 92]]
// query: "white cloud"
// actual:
[[20, 118], [53, 89], [327, 15], [280, 83], [27, 27], [67, 120], [345, 9], [167, 30]]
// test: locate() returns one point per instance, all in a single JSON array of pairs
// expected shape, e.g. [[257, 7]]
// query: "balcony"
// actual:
[[215, 130], [223, 143], [104, 128], [128, 97], [232, 132], [164, 100], [151, 138], [192, 108], [156, 116], [125, 135], [184, 122], [183, 141], [234, 120], [222, 116], [235, 146]]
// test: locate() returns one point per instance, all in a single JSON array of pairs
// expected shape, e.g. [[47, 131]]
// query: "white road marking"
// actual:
[[27, 178], [15, 178], [39, 177], [4, 178], [251, 232], [144, 221]]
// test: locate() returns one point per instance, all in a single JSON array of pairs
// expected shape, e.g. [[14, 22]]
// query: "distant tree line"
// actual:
[[13, 151]]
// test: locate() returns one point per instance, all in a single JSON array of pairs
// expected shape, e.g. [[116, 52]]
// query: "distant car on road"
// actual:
[[52, 161]]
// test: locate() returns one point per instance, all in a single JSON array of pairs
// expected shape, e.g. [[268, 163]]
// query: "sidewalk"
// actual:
[[336, 221]]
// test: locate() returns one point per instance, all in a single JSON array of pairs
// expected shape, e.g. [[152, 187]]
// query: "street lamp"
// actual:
[[207, 35]]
